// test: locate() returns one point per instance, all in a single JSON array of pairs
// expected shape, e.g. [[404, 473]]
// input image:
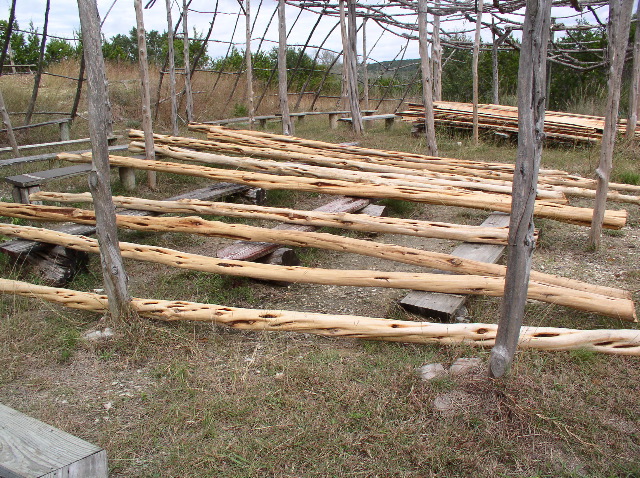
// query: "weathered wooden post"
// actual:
[[145, 97], [618, 27], [38, 76], [634, 93], [365, 70], [7, 38], [474, 71], [6, 120], [427, 88], [551, 34], [494, 66], [287, 127], [248, 61], [171, 59], [115, 277], [187, 68], [531, 93], [436, 56], [352, 68]]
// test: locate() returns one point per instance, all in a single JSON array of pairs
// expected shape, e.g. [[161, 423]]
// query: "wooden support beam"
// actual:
[[446, 307], [619, 342], [531, 95], [248, 62], [31, 448], [427, 87], [186, 56], [474, 69], [287, 126], [171, 60], [6, 120]]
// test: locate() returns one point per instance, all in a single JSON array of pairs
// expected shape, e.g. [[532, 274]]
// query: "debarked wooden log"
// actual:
[[619, 342]]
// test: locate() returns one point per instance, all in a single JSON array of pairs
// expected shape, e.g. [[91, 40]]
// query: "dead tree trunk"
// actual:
[[147, 125], [247, 55], [494, 66], [37, 78], [634, 93], [187, 68], [427, 88], [365, 70], [548, 98], [287, 127], [618, 26], [171, 59], [76, 99], [531, 93], [474, 71], [115, 277], [7, 37], [436, 57], [351, 60]]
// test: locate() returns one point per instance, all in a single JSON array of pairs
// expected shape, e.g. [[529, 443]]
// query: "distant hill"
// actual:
[[406, 68]]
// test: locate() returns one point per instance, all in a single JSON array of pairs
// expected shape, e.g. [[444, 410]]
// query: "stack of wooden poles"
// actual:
[[558, 126], [282, 162]]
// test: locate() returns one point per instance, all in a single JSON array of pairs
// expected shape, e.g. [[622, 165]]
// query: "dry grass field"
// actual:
[[184, 399]]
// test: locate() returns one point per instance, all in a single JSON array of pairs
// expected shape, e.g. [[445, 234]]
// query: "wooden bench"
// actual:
[[389, 119], [31, 448], [50, 156], [262, 120], [25, 184], [446, 307]]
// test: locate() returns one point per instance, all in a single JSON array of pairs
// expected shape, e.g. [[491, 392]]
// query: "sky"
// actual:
[[63, 21]]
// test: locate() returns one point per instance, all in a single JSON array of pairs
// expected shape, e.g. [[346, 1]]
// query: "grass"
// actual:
[[196, 399]]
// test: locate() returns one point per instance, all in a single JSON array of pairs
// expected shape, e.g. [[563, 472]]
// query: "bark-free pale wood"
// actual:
[[6, 120], [436, 56], [356, 222], [365, 70], [619, 342], [418, 181], [618, 30], [427, 86], [171, 60], [113, 272], [197, 225], [31, 448], [634, 91], [531, 96], [145, 97], [249, 62], [350, 85], [187, 67], [560, 212], [287, 125]]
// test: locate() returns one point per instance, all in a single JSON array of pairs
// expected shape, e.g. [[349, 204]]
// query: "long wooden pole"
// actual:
[[355, 222], [407, 255], [145, 96], [531, 110], [618, 27], [171, 60], [287, 126], [436, 56], [6, 120], [427, 87], [619, 342], [249, 62], [559, 212], [7, 37], [634, 91], [187, 68], [494, 66], [113, 272], [474, 70], [354, 99], [365, 68], [38, 75]]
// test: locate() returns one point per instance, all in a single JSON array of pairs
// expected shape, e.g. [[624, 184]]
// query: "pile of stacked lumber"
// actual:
[[500, 119]]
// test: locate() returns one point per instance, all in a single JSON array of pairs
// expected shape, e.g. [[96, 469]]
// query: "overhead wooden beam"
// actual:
[[619, 342]]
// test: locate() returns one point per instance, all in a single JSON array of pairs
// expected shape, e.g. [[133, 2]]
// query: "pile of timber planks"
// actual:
[[559, 126]]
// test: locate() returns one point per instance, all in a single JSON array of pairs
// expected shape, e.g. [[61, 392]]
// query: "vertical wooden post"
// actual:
[[427, 88], [187, 68], [548, 98], [345, 57], [147, 125], [7, 37], [494, 66], [7, 124], [287, 127], [76, 99], [11, 59], [618, 26], [531, 92], [474, 71], [38, 76], [436, 57], [365, 70], [634, 93], [352, 71], [115, 277], [171, 60], [247, 14]]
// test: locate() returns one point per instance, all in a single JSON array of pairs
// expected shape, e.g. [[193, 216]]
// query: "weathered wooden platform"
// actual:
[[30, 448]]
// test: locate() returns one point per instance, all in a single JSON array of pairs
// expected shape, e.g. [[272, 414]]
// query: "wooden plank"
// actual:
[[35, 125], [39, 177], [20, 247], [49, 156], [31, 448], [55, 143], [445, 307]]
